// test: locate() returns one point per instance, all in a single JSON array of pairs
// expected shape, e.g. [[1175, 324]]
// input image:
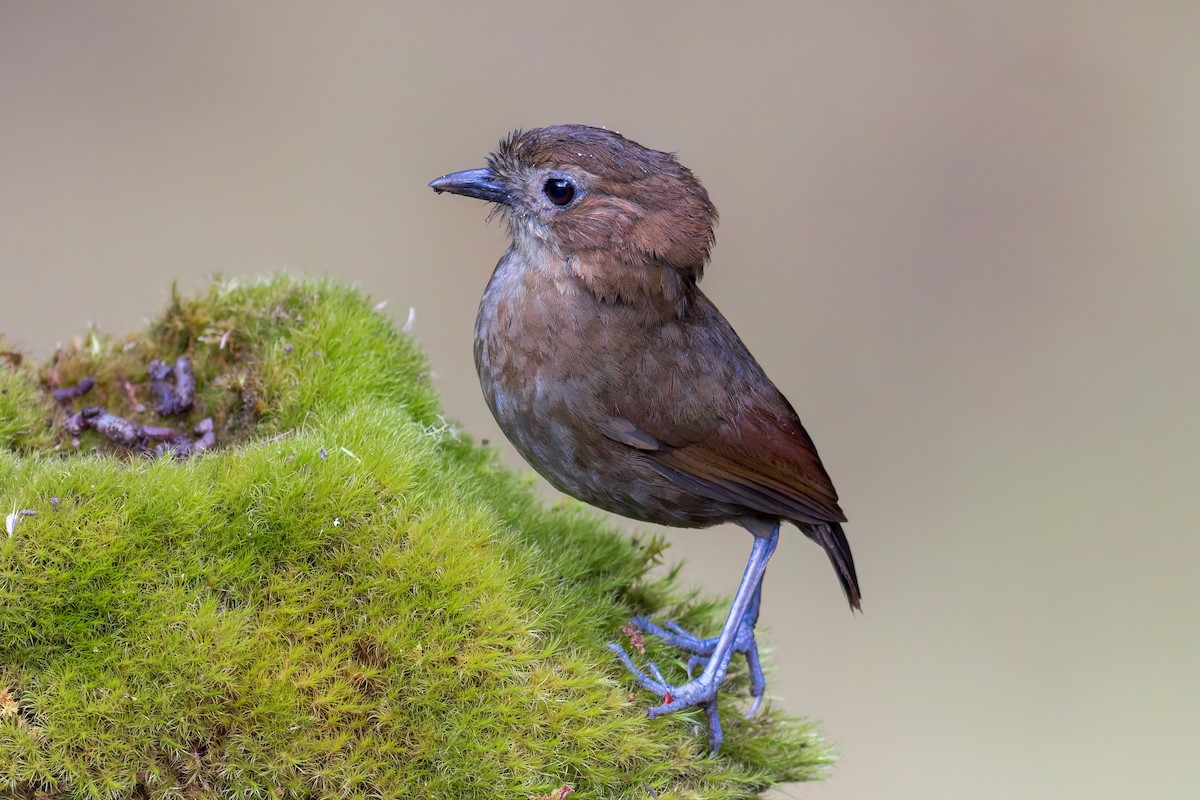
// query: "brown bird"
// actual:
[[622, 384]]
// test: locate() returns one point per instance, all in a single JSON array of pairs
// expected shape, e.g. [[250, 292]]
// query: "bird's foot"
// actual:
[[701, 649], [702, 690]]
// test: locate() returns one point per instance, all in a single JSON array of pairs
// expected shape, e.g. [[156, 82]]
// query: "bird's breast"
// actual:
[[555, 366], [533, 355]]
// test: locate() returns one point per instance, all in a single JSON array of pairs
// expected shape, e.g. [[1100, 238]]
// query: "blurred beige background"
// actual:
[[962, 237]]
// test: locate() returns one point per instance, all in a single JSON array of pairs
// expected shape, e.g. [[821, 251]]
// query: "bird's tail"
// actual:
[[830, 536]]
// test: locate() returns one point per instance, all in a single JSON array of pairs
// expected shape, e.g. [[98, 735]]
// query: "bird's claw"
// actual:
[[673, 626], [754, 706], [701, 691], [700, 649], [674, 635]]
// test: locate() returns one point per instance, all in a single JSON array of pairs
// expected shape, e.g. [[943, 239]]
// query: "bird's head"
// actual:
[[626, 219]]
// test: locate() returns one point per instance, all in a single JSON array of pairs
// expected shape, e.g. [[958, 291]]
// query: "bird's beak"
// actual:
[[480, 183]]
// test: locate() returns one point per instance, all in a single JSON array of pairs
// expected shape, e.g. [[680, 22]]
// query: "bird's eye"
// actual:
[[560, 191]]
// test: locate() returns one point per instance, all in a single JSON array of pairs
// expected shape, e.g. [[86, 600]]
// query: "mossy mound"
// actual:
[[347, 598]]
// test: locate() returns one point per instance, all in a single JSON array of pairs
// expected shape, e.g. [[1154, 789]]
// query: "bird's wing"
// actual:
[[760, 458]]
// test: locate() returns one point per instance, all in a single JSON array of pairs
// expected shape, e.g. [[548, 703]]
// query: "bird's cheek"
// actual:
[[532, 236]]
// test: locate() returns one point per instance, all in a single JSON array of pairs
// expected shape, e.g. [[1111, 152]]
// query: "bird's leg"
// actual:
[[701, 649], [736, 636]]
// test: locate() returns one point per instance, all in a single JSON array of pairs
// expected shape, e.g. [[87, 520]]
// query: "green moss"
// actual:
[[25, 411], [347, 599]]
